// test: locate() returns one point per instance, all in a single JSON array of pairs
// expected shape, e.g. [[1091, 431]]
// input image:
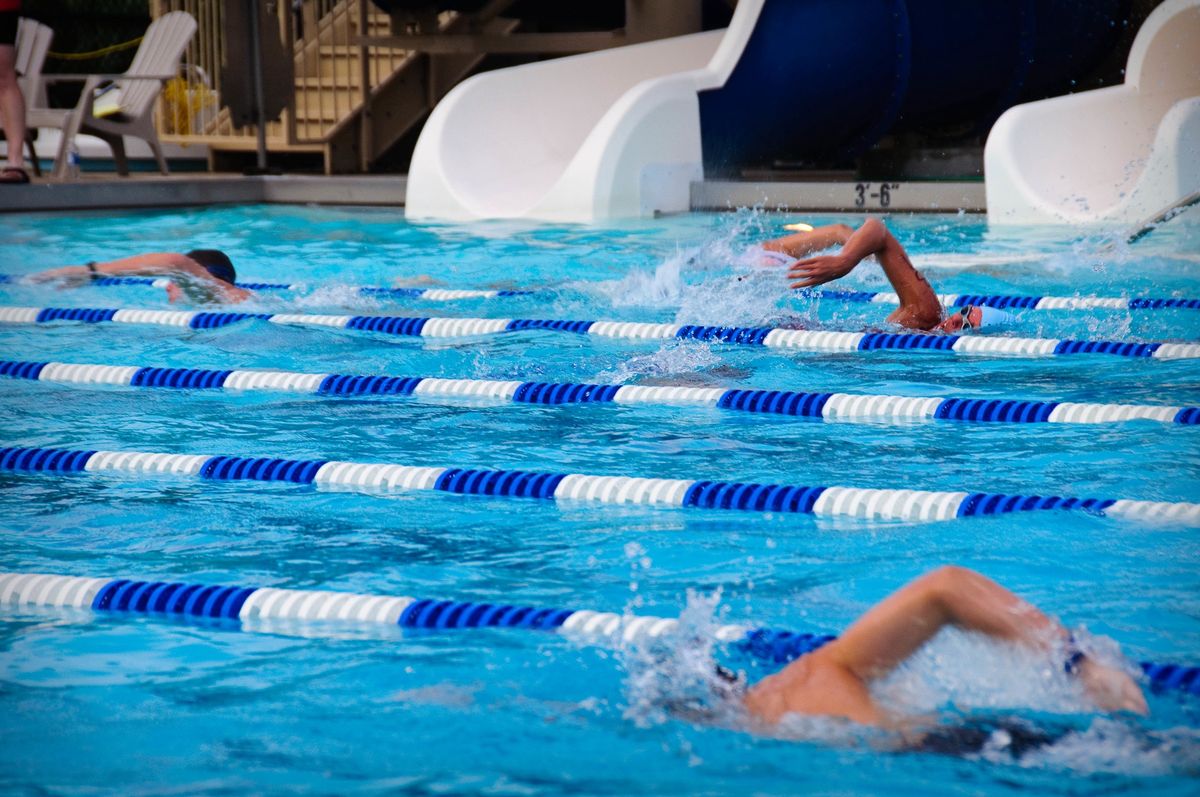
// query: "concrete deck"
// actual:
[[95, 192], [102, 192]]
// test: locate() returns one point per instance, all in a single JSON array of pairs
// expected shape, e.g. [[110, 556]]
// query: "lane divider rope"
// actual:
[[856, 502], [1002, 301], [1008, 301], [827, 406], [795, 339], [252, 608]]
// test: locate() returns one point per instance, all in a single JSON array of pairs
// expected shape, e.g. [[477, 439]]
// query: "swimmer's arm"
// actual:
[[919, 306], [814, 240], [199, 285], [155, 264], [899, 625]]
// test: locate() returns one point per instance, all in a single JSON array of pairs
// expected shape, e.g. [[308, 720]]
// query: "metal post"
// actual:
[[366, 142], [256, 68]]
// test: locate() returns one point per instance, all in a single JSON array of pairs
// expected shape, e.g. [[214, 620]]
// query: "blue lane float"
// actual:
[[1011, 302], [817, 405], [1001, 301], [374, 478], [252, 608], [769, 337]]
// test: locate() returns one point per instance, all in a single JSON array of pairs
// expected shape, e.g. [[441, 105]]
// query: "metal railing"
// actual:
[[333, 75]]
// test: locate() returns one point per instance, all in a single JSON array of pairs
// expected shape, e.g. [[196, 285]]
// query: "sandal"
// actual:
[[14, 174]]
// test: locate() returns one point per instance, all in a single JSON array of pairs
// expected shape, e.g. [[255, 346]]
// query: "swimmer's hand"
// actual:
[[819, 270], [1111, 689]]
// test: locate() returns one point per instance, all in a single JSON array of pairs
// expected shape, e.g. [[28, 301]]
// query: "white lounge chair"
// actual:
[[33, 42], [156, 61]]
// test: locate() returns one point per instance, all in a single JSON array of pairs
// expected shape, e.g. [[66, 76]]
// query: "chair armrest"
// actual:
[[71, 78], [87, 97]]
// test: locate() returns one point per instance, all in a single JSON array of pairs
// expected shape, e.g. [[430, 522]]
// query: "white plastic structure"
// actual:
[[608, 134], [1118, 154]]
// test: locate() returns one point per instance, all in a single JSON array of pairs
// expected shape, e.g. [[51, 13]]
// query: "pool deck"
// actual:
[[107, 191]]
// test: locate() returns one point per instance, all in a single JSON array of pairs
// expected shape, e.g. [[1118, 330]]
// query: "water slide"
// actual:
[[624, 132], [612, 133], [1121, 154]]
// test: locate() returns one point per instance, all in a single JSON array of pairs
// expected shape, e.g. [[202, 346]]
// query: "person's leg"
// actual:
[[12, 106]]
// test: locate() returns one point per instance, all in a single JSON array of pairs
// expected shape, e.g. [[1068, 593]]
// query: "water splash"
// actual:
[[1117, 746], [661, 287], [676, 677], [677, 362], [331, 295], [970, 670]]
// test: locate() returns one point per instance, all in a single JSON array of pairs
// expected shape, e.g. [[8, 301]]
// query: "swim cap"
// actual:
[[215, 262], [992, 317]]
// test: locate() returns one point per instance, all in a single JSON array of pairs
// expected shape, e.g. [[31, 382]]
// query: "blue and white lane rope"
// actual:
[[857, 502], [1002, 301], [429, 294], [1008, 302], [252, 608], [827, 406], [795, 339]]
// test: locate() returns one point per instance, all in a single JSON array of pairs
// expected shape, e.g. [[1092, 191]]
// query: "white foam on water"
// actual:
[[1118, 746], [661, 287], [338, 295], [675, 361]]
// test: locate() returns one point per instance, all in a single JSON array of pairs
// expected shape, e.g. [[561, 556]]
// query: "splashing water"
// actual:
[[332, 295], [676, 676], [969, 670], [674, 363], [1115, 746], [661, 287]]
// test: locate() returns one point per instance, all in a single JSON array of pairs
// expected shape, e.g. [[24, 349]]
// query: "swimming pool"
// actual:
[[134, 703]]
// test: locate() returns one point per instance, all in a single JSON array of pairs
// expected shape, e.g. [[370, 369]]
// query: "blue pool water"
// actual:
[[149, 706]]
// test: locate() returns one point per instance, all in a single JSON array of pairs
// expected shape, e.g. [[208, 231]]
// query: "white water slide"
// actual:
[[608, 134], [1119, 154]]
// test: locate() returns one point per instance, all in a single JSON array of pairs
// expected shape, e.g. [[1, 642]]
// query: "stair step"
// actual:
[[351, 50], [326, 106], [326, 82], [343, 68]]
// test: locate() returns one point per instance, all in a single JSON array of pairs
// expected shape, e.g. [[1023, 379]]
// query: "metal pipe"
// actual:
[[256, 72]]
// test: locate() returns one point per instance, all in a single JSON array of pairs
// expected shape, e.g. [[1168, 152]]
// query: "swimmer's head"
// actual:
[[215, 262], [974, 317]]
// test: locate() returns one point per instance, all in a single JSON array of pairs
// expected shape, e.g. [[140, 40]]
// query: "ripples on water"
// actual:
[[200, 709]]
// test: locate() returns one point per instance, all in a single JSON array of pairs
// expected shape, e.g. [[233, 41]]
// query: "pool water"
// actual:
[[134, 705]]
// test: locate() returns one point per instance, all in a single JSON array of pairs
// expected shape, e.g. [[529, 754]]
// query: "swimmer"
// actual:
[[203, 275], [919, 306], [835, 679]]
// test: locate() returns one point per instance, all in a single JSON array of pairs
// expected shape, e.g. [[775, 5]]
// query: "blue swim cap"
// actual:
[[215, 262], [993, 317]]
